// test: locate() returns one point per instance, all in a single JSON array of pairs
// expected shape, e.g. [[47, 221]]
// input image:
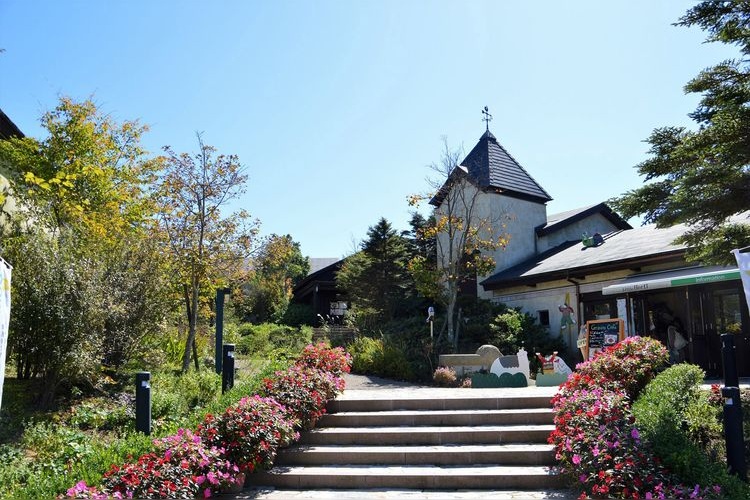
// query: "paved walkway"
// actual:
[[360, 386]]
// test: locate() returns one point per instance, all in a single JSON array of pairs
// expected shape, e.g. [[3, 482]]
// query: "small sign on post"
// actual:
[[430, 319]]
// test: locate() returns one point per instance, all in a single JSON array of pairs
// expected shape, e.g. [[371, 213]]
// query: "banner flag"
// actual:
[[743, 262], [4, 319]]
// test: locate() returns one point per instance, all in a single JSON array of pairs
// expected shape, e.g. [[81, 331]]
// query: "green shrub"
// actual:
[[674, 415], [53, 457], [299, 315], [261, 340], [379, 357], [514, 329]]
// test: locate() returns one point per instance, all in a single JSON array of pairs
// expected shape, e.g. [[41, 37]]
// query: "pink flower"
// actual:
[[207, 493], [576, 459]]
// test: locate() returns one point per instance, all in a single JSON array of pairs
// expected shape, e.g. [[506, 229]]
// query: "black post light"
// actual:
[[143, 402], [220, 293], [227, 374], [732, 409]]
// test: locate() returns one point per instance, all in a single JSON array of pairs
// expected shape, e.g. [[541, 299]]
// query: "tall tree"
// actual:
[[376, 278], [207, 249], [701, 177], [278, 267], [463, 236]]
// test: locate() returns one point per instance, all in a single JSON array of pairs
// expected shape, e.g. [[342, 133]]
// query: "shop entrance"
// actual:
[[700, 314], [723, 310]]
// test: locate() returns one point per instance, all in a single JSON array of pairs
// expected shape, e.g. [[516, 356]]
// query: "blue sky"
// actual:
[[337, 107]]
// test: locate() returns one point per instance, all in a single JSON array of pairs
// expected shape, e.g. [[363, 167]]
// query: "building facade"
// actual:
[[588, 263]]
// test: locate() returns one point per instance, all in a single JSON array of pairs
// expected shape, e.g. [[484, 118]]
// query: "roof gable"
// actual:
[[556, 222]]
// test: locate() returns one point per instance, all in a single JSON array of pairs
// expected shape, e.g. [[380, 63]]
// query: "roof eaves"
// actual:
[[572, 272]]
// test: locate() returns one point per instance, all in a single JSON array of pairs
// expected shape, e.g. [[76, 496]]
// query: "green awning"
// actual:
[[670, 279]]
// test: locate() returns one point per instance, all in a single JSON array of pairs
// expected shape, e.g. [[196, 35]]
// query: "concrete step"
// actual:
[[411, 477], [428, 435], [506, 454], [526, 416], [271, 493], [471, 401]]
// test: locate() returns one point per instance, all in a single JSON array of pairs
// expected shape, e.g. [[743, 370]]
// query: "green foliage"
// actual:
[[278, 267], [376, 278], [53, 456], [56, 313], [379, 357], [701, 177], [206, 248], [514, 329], [674, 415], [299, 315], [88, 174], [261, 341]]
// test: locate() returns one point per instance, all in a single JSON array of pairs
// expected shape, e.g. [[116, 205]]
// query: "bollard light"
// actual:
[[143, 402], [220, 294], [227, 373]]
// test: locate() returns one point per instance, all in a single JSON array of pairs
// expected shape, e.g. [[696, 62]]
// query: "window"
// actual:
[[543, 317]]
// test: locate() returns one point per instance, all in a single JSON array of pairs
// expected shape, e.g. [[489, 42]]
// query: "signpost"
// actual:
[[602, 334], [430, 318]]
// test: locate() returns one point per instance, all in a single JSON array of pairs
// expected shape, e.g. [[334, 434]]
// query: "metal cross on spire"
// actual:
[[487, 117]]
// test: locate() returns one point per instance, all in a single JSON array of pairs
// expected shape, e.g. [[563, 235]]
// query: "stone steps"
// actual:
[[423, 441], [507, 454], [410, 476], [428, 435], [526, 416]]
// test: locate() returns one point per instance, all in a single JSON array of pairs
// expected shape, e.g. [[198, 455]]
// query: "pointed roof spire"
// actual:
[[491, 166]]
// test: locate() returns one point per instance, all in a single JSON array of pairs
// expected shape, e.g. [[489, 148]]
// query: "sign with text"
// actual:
[[4, 318], [602, 334]]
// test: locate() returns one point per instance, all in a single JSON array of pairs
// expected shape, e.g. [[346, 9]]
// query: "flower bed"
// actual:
[[242, 439], [595, 437]]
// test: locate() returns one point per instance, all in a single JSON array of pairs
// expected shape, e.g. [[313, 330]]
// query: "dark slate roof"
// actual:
[[556, 222], [491, 166], [620, 250], [318, 263], [8, 129], [325, 276]]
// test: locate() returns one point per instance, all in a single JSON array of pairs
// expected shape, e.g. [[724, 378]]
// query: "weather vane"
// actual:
[[487, 117]]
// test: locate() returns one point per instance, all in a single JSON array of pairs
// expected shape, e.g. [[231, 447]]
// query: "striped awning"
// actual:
[[671, 279]]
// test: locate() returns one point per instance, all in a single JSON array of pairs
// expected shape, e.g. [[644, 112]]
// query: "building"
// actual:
[[589, 263]]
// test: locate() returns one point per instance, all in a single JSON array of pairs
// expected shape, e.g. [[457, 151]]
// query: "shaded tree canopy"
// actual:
[[702, 177]]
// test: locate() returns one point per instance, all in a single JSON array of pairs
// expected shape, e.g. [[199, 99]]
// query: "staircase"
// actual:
[[424, 439]]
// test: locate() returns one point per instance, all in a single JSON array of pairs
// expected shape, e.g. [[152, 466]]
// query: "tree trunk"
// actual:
[[191, 331], [195, 355], [457, 332]]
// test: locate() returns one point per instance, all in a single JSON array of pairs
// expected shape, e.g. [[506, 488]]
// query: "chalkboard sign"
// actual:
[[602, 334]]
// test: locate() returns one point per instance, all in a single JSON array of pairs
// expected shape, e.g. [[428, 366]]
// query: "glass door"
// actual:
[[727, 313]]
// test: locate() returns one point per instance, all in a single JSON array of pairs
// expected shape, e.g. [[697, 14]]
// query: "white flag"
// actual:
[[743, 262], [4, 319]]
